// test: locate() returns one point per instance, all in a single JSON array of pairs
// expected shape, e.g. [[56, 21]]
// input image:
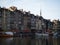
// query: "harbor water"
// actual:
[[30, 41]]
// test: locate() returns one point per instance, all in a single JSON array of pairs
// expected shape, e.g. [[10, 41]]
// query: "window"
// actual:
[[0, 14], [19, 18], [8, 25], [11, 22], [0, 20], [19, 22]]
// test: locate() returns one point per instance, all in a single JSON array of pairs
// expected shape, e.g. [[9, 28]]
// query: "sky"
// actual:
[[50, 8]]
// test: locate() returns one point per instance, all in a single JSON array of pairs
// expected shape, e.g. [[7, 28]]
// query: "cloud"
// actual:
[[50, 8]]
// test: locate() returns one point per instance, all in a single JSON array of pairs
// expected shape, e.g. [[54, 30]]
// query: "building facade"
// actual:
[[56, 25], [13, 19]]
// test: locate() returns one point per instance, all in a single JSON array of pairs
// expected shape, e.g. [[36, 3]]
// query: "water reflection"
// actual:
[[8, 41], [28, 41]]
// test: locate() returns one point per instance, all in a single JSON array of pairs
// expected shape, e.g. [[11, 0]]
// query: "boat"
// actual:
[[6, 34]]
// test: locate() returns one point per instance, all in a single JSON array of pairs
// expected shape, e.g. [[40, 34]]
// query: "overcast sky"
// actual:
[[50, 8]]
